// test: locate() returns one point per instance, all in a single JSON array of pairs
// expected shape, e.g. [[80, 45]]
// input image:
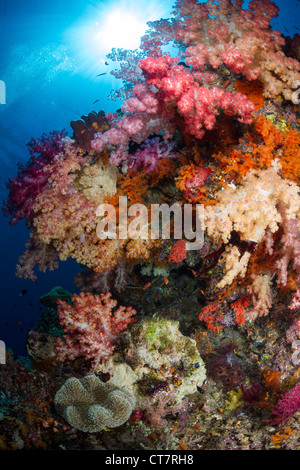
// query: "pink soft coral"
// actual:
[[37, 254], [149, 155], [180, 91], [171, 92], [287, 254], [211, 34], [90, 325], [178, 252], [295, 304], [142, 119]]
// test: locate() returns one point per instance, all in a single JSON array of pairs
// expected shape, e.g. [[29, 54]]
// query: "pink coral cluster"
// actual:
[[295, 304], [91, 325], [149, 155], [180, 88], [216, 33], [179, 92], [37, 254], [142, 118]]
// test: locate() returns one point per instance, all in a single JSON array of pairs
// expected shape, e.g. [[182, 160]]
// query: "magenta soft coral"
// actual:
[[91, 325], [287, 406], [179, 93], [32, 178]]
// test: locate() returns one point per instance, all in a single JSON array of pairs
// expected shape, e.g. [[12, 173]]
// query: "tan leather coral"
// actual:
[[88, 404]]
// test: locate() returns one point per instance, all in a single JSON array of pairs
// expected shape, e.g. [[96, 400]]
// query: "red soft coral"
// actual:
[[90, 325], [178, 252]]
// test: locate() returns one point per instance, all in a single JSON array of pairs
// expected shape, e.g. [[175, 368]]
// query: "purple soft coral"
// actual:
[[150, 153], [24, 188]]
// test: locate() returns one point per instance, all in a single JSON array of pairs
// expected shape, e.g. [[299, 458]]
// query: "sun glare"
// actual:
[[115, 24], [121, 29]]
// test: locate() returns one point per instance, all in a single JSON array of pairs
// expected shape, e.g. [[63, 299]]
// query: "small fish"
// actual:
[[96, 101], [23, 292], [184, 64], [30, 304], [166, 280], [200, 390], [106, 63], [285, 29], [147, 285], [194, 272], [101, 74]]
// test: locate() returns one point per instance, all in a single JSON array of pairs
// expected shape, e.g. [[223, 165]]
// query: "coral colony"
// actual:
[[167, 347]]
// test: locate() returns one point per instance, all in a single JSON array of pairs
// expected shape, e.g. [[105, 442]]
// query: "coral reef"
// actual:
[[170, 347], [157, 358]]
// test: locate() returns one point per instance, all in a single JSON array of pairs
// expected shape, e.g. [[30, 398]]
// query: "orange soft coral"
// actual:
[[277, 144], [239, 307], [190, 181], [211, 317], [254, 90]]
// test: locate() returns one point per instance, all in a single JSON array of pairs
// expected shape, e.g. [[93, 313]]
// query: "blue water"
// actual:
[[49, 62]]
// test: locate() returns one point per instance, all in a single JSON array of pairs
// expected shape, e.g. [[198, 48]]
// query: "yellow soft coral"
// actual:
[[250, 209], [98, 181]]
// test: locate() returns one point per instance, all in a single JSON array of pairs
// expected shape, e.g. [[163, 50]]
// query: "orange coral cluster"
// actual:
[[271, 380], [277, 144], [66, 219], [191, 180], [211, 317], [239, 306], [254, 90], [277, 438]]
